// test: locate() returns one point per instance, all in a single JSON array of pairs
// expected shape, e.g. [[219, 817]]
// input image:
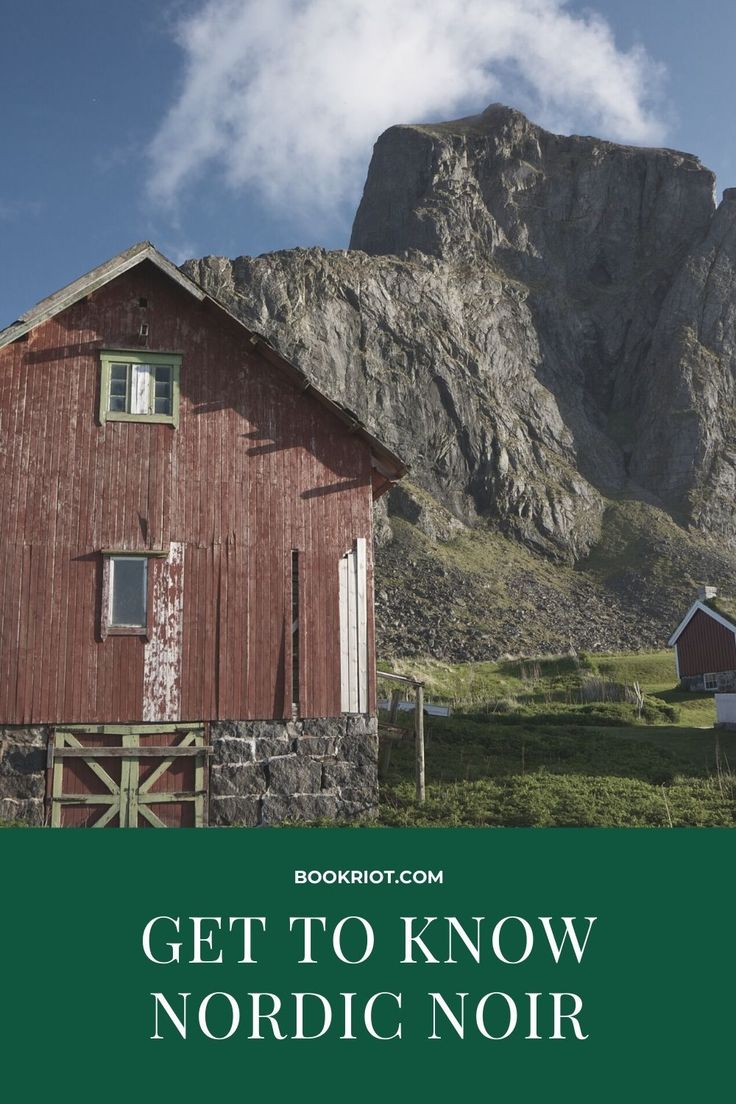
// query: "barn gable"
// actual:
[[388, 466], [708, 611]]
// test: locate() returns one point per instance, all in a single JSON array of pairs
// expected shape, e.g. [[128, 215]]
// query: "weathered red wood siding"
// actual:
[[705, 646], [255, 469]]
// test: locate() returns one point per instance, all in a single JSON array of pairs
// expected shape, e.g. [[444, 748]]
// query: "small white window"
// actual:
[[139, 387], [124, 595], [128, 603], [710, 681]]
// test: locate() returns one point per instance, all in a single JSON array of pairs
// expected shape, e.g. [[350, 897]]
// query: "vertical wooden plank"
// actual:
[[25, 630], [162, 664], [57, 789], [186, 650], [344, 569], [223, 658], [353, 631], [126, 812], [8, 637], [39, 611], [361, 617], [371, 641]]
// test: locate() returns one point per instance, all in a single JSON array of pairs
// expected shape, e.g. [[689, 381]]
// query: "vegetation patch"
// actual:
[[526, 747]]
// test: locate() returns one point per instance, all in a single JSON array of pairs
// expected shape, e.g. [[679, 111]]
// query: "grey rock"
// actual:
[[351, 782], [23, 760], [360, 743], [12, 736], [318, 747], [266, 730], [280, 807], [237, 778], [23, 773], [268, 746], [294, 774], [323, 727], [231, 749], [338, 774], [687, 394], [233, 810], [17, 785], [29, 811], [360, 724]]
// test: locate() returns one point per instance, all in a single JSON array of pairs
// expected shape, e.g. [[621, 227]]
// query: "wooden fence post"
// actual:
[[418, 686], [419, 740]]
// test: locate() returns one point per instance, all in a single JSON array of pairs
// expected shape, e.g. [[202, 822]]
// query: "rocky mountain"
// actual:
[[544, 328]]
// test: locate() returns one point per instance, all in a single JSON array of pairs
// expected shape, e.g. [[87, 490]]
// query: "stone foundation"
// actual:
[[261, 772], [726, 683], [264, 772], [23, 773]]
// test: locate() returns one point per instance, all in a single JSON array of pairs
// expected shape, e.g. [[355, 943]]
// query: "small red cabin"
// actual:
[[705, 646], [186, 615]]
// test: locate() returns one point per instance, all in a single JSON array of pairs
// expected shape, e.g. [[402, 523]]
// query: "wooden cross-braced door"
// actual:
[[111, 776]]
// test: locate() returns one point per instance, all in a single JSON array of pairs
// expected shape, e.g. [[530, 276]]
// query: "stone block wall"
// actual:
[[264, 772], [23, 773], [726, 682]]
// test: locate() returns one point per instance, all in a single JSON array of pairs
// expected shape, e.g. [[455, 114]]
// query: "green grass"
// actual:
[[539, 683], [522, 749], [484, 774], [654, 670]]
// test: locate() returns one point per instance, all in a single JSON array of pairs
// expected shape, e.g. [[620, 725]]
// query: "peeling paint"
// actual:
[[163, 653]]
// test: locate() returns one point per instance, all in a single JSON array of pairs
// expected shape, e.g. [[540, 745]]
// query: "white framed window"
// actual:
[[125, 603], [710, 681], [139, 387], [127, 591]]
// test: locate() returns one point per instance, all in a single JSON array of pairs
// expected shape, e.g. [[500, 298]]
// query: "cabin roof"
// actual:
[[718, 613], [388, 464]]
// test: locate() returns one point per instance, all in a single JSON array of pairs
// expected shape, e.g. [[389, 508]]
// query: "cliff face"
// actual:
[[439, 358], [613, 246], [541, 326], [687, 443], [536, 323]]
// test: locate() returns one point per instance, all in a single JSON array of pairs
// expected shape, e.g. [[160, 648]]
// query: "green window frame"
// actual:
[[138, 386]]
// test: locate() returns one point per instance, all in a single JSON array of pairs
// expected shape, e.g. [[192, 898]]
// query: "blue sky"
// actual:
[[238, 126]]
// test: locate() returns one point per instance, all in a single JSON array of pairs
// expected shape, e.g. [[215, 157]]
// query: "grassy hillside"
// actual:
[[527, 746]]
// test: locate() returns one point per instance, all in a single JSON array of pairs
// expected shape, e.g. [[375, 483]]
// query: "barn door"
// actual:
[[112, 777], [354, 630]]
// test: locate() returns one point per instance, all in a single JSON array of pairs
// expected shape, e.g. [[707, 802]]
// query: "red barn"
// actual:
[[186, 613], [705, 645]]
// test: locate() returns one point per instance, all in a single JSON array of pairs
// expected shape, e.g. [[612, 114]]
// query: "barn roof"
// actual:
[[387, 463], [718, 615]]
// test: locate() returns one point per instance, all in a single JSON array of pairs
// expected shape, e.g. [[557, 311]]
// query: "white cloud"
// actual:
[[13, 210], [287, 96]]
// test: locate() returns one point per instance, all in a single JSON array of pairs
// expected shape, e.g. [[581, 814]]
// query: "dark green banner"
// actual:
[[367, 965]]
